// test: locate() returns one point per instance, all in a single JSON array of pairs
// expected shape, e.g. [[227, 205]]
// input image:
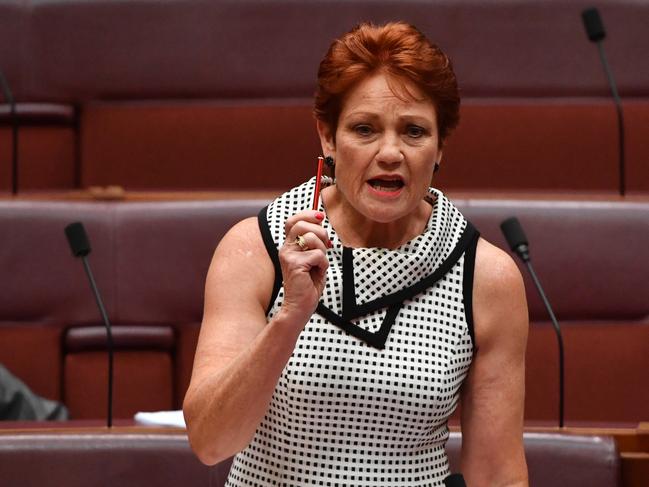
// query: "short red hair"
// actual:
[[397, 49]]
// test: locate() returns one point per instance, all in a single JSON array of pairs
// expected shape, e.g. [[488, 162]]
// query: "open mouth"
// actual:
[[386, 185]]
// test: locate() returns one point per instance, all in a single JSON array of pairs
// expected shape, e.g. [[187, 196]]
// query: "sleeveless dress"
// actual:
[[365, 397]]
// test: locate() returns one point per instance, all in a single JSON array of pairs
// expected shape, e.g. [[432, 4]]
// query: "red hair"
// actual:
[[400, 51]]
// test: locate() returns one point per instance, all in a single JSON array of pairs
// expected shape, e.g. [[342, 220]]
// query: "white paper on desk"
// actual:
[[161, 418]]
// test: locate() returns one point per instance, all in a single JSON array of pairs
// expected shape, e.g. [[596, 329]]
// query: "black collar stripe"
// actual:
[[392, 302], [352, 311], [269, 243], [375, 339]]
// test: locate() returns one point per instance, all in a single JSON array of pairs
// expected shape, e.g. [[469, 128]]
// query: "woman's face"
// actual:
[[385, 149]]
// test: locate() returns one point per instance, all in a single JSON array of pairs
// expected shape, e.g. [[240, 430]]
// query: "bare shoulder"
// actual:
[[243, 235], [498, 294], [495, 269], [240, 264], [242, 240], [237, 290]]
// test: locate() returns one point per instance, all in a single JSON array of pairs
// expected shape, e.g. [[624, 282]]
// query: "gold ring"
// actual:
[[301, 242]]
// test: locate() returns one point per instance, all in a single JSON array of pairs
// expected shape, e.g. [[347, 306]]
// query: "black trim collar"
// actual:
[[351, 310], [392, 302]]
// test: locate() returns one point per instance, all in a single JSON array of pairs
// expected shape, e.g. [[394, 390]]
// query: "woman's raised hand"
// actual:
[[304, 264]]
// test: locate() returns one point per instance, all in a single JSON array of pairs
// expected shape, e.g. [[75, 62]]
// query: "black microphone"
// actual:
[[9, 98], [80, 246], [454, 480], [593, 24], [596, 33], [517, 241]]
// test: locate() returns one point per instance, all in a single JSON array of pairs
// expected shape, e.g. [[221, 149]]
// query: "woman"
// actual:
[[336, 342]]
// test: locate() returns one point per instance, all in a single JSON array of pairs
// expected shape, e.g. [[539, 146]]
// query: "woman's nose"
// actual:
[[390, 149]]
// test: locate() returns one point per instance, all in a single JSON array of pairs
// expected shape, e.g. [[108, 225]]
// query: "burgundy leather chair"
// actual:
[[130, 459]]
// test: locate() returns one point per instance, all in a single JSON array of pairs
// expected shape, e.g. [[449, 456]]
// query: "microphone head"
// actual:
[[78, 239], [454, 480], [514, 233], [593, 24]]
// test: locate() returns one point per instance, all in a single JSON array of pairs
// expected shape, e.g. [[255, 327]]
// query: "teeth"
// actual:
[[386, 185]]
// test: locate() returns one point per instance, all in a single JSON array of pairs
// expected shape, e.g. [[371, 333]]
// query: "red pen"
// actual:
[[318, 178]]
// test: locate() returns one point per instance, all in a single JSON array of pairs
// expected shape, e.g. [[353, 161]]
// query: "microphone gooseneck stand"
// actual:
[[109, 338], [80, 246], [596, 33], [557, 330], [517, 241]]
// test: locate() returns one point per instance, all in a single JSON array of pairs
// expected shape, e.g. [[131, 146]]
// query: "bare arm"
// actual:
[[240, 355], [493, 393]]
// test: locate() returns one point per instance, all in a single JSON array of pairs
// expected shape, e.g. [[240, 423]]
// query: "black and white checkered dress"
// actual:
[[365, 397]]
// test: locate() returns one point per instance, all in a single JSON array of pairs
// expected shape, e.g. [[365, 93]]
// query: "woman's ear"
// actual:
[[327, 139]]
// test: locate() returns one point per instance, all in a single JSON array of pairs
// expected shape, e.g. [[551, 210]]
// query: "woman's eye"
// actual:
[[363, 130], [414, 131]]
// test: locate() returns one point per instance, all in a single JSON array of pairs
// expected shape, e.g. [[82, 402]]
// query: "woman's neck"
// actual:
[[355, 230]]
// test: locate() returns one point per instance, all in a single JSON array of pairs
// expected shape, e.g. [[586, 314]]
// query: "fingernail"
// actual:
[[330, 244], [319, 215]]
